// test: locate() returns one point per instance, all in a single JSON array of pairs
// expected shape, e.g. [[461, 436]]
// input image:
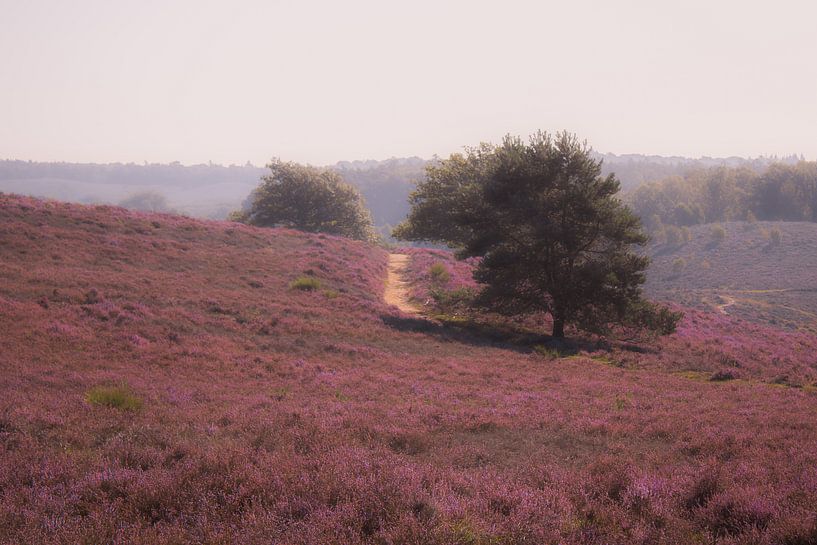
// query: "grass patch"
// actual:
[[118, 397], [439, 273], [305, 283], [331, 294], [546, 351]]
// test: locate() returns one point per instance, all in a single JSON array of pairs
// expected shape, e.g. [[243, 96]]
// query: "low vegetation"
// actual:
[[305, 283], [768, 277], [276, 415], [118, 397]]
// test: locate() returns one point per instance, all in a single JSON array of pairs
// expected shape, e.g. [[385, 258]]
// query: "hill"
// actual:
[[746, 275], [173, 380], [212, 191]]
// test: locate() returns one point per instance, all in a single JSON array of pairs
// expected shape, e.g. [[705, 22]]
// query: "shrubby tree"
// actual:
[[550, 230], [147, 201], [307, 198]]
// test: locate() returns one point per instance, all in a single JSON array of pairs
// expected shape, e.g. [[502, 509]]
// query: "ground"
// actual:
[[167, 380]]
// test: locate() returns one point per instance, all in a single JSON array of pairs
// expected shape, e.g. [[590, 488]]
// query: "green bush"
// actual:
[[454, 300], [305, 283], [118, 397], [439, 273], [331, 294], [775, 236], [673, 235], [718, 233], [679, 265]]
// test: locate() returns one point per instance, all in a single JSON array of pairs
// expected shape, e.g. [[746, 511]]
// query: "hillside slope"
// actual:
[[745, 275], [250, 411]]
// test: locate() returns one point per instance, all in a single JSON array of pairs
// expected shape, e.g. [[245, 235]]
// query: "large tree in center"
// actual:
[[550, 230]]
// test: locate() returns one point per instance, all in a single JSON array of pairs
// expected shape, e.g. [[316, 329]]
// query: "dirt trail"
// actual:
[[728, 301], [397, 289]]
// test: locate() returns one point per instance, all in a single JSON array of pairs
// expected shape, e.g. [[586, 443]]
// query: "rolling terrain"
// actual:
[[170, 380], [746, 275]]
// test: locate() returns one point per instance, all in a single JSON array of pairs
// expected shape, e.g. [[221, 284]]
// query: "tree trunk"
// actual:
[[558, 328]]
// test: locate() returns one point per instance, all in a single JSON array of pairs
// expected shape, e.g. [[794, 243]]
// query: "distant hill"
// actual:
[[746, 274], [212, 191]]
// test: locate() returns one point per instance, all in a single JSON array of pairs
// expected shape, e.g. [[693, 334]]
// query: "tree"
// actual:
[[307, 198], [549, 228], [147, 201]]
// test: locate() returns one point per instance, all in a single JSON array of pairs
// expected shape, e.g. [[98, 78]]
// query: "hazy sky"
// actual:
[[231, 81]]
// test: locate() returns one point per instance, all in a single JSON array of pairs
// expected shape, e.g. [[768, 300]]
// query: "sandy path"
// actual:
[[397, 289], [727, 302]]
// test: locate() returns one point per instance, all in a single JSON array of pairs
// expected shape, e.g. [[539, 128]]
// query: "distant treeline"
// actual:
[[786, 192], [171, 174], [211, 190]]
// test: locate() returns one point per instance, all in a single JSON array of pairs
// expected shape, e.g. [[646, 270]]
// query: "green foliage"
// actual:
[[309, 199], [775, 236], [439, 273], [552, 234], [781, 192], [546, 351], [718, 234], [678, 265], [453, 301], [673, 235], [147, 201], [119, 397], [305, 283]]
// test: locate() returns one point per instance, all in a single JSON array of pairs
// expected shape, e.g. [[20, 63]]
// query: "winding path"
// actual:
[[728, 301], [397, 289]]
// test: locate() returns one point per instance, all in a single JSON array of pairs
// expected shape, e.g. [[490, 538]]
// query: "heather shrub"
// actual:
[[733, 513], [718, 234], [118, 397], [723, 375], [796, 531], [673, 235], [609, 479], [775, 236], [686, 236], [439, 273], [305, 283], [702, 490], [679, 265], [408, 443], [750, 217]]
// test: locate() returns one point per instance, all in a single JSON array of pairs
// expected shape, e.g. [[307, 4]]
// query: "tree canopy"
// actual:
[[785, 192], [549, 228], [310, 199]]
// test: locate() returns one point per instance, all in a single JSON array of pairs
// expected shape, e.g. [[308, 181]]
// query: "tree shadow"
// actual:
[[493, 335]]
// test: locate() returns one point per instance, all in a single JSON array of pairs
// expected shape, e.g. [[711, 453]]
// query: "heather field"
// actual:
[[169, 380], [765, 272]]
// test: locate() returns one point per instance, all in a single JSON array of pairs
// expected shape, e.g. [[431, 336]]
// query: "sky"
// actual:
[[323, 81]]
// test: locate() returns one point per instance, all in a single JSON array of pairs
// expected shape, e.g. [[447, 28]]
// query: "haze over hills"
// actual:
[[212, 191]]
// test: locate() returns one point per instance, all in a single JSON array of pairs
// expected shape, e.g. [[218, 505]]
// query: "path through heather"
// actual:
[[397, 289]]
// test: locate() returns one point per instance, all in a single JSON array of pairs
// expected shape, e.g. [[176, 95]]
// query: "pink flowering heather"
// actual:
[[240, 410]]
